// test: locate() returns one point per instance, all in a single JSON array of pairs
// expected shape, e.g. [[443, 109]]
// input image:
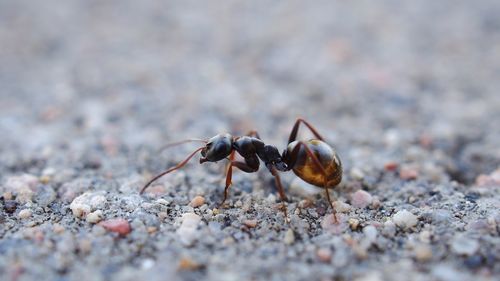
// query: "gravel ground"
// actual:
[[407, 93]]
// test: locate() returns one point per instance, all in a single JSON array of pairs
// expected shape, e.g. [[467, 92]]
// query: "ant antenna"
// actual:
[[169, 145], [180, 165]]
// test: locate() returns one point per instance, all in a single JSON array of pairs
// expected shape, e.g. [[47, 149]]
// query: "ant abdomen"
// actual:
[[305, 168]]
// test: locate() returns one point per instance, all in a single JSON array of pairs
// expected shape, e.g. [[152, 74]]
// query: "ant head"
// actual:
[[217, 148]]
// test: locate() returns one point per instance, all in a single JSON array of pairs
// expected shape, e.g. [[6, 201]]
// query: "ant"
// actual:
[[314, 161]]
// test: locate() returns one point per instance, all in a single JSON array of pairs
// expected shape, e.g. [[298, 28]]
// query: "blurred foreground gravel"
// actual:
[[408, 94]]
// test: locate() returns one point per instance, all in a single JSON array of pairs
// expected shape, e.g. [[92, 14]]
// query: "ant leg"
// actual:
[[318, 164], [229, 176], [180, 165], [293, 134], [281, 191], [245, 167]]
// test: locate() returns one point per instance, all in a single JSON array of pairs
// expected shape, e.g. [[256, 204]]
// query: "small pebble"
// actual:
[[361, 199], [187, 232], [407, 173], [353, 223], [118, 225], [336, 227], [250, 223], [94, 217], [405, 219], [24, 214], [370, 233], [10, 206], [342, 207], [389, 229], [423, 252], [357, 174], [22, 186], [58, 228], [188, 264], [463, 245], [197, 201], [391, 166], [289, 237], [489, 180], [324, 255]]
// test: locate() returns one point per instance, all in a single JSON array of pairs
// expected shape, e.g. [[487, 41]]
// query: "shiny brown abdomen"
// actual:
[[307, 170]]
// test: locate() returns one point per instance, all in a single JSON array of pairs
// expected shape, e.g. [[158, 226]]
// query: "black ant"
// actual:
[[313, 161]]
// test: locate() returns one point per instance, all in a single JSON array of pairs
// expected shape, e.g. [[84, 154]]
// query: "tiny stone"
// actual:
[[94, 217], [188, 264], [389, 229], [118, 225], [391, 166], [342, 207], [250, 223], [85, 246], [336, 227], [370, 233], [162, 215], [463, 245], [357, 174], [58, 228], [187, 232], [24, 214], [405, 219], [361, 199], [324, 255], [407, 173], [289, 237], [7, 195], [197, 201], [353, 223], [163, 202], [10, 206], [423, 252]]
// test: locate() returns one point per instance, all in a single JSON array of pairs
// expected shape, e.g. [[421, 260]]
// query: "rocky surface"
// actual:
[[407, 93]]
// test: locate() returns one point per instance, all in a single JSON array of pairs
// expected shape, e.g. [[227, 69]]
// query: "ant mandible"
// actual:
[[314, 161]]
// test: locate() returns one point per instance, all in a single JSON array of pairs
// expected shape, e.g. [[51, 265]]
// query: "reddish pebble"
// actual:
[[197, 201], [489, 180], [250, 223], [361, 199], [408, 173], [120, 226], [391, 166], [324, 255]]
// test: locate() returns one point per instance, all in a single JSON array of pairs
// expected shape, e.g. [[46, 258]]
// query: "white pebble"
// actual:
[[370, 233], [342, 207], [361, 199], [87, 202], [24, 214], [463, 245], [389, 229], [188, 230], [289, 237], [405, 219], [94, 217]]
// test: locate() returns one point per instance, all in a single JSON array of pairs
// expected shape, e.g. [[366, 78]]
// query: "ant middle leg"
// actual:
[[295, 129], [281, 191]]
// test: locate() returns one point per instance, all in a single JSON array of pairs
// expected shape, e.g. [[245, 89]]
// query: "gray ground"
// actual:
[[406, 93]]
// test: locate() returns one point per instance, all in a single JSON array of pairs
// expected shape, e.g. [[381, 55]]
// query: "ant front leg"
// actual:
[[250, 165], [293, 134]]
